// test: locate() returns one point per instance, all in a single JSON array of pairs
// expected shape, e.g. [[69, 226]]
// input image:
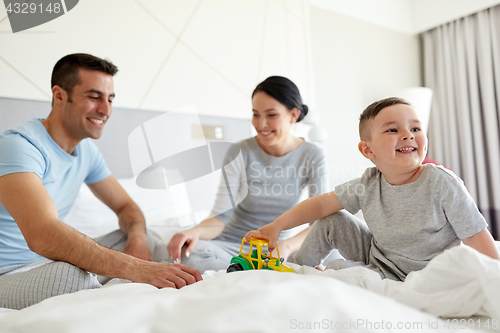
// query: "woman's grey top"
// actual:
[[261, 187]]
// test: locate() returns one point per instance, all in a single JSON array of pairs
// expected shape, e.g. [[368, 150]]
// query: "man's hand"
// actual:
[[164, 275], [137, 246]]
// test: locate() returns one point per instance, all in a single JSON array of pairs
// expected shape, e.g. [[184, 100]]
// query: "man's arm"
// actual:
[[130, 217], [484, 243], [26, 199]]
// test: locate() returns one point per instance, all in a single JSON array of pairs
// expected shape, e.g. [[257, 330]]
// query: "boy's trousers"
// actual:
[[354, 241]]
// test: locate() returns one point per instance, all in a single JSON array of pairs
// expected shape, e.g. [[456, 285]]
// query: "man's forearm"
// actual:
[[63, 243], [133, 226], [131, 219]]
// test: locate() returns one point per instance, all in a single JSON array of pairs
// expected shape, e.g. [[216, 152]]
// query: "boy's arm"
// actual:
[[484, 243], [307, 211]]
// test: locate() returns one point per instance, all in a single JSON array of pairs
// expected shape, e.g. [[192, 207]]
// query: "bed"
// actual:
[[459, 290]]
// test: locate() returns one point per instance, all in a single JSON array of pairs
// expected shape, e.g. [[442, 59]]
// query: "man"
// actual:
[[42, 165]]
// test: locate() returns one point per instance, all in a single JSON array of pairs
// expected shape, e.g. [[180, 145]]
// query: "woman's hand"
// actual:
[[207, 229], [189, 237], [270, 232], [320, 267]]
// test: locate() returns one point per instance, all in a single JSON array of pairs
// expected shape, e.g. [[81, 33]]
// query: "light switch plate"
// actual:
[[210, 132]]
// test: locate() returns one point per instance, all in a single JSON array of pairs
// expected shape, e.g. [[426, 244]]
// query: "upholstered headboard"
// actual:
[[114, 141]]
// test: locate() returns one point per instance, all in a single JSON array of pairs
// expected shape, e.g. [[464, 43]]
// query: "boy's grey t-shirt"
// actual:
[[412, 223], [275, 184]]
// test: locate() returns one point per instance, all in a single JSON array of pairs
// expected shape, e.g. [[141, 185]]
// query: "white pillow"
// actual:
[[90, 216], [93, 218]]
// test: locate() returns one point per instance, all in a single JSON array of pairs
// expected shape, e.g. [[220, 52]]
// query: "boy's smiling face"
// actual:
[[396, 143]]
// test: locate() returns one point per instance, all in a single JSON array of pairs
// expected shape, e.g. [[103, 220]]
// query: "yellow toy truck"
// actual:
[[255, 259]]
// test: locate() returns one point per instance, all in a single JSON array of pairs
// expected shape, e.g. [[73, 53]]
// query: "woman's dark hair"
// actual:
[[284, 91]]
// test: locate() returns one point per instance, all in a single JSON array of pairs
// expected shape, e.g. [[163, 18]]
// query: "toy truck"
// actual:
[[255, 259]]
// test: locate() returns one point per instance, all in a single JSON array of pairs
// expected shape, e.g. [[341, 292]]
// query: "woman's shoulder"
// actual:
[[312, 150], [311, 146], [248, 144], [243, 147]]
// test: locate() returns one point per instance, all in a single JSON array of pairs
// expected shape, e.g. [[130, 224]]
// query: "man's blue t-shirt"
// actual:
[[30, 148]]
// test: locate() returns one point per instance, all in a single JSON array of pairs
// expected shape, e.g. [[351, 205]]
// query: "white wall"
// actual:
[[170, 53], [409, 16], [392, 14], [212, 53], [356, 63], [428, 14]]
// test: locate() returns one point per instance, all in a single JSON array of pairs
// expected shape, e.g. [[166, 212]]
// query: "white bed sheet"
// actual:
[[255, 301], [460, 282]]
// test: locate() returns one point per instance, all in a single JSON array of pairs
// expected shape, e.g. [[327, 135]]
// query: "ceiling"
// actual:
[[408, 16]]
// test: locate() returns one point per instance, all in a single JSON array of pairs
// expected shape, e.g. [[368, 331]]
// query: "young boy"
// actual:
[[413, 212]]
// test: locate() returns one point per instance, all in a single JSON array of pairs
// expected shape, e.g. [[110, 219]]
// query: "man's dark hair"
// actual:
[[373, 110], [65, 72]]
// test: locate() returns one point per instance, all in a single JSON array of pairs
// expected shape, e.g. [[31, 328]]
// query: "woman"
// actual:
[[278, 168]]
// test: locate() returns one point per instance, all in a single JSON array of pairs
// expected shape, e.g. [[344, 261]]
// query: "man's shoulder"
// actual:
[[21, 151], [29, 127], [25, 134]]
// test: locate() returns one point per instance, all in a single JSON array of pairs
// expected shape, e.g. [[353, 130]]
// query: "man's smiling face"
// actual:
[[89, 106]]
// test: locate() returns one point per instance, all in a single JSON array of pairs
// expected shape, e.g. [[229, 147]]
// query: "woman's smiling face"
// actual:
[[271, 119]]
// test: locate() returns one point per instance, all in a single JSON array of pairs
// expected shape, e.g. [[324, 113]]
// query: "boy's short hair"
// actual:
[[372, 111], [65, 73]]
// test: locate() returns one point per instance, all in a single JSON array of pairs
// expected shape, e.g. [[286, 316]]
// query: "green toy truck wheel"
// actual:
[[234, 268]]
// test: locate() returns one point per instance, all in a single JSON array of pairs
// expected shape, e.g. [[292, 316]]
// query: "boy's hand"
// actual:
[[269, 232]]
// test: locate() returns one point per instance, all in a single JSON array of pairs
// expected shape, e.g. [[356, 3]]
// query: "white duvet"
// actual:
[[459, 282]]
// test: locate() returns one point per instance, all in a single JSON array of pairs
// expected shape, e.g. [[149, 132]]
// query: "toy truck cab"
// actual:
[[255, 259]]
